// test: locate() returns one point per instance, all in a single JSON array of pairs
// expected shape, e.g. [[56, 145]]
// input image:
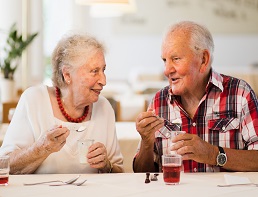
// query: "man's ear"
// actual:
[[205, 61]]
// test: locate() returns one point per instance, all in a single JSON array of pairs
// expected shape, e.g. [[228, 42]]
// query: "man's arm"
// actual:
[[144, 160], [241, 160], [146, 124]]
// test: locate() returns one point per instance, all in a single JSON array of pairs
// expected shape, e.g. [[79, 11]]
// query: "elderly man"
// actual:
[[219, 113]]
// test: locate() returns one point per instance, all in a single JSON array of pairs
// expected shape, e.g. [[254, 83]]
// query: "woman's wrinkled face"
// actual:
[[181, 64], [88, 80]]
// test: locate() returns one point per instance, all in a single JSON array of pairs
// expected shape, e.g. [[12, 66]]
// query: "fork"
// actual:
[[238, 184], [76, 184], [64, 182]]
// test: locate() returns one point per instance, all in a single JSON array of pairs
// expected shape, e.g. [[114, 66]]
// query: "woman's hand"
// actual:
[[54, 139], [97, 156]]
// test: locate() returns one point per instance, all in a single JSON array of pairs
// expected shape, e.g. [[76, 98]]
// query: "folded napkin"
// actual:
[[229, 179]]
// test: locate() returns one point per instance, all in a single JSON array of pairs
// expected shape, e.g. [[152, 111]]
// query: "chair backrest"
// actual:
[[6, 107], [116, 106]]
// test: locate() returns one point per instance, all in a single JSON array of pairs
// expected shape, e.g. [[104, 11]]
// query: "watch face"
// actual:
[[222, 159]]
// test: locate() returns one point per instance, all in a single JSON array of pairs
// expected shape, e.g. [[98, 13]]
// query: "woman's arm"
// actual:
[[28, 159]]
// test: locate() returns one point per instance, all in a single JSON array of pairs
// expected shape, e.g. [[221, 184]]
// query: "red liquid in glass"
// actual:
[[171, 173], [4, 180]]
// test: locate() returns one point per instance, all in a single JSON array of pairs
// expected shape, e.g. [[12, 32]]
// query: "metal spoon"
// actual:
[[172, 126], [81, 129]]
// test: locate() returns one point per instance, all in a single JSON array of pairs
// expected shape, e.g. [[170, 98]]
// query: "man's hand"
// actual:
[[146, 124], [192, 147]]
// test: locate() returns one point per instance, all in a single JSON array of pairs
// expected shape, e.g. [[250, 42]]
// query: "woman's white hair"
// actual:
[[72, 51]]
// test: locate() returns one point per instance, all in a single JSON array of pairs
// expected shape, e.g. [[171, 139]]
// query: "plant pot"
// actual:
[[7, 89]]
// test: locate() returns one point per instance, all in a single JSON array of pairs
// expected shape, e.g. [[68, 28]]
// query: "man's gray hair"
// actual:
[[201, 37]]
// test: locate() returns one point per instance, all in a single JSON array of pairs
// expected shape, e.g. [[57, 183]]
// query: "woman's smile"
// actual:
[[97, 91]]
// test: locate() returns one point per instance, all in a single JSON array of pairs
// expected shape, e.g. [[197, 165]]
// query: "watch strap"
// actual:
[[221, 150], [221, 155]]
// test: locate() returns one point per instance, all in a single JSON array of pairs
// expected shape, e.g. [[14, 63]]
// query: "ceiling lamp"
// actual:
[[91, 2], [112, 10]]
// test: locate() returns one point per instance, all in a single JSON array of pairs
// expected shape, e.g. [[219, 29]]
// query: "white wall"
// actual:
[[232, 53], [235, 53], [134, 40]]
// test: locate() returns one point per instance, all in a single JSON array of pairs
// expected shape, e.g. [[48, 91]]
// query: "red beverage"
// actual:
[[171, 173], [4, 180]]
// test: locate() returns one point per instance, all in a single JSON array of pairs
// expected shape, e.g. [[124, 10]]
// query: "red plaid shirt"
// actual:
[[226, 116]]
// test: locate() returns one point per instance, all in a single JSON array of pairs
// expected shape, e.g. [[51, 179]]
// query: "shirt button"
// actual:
[[194, 124], [223, 128]]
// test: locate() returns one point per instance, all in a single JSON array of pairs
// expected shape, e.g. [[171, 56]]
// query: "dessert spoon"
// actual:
[[81, 129]]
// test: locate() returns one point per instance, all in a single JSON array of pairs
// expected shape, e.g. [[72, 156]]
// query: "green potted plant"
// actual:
[[15, 45], [10, 59]]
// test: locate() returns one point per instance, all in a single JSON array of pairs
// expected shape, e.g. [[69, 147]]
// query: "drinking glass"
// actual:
[[4, 169], [171, 165], [172, 135], [83, 146], [167, 134]]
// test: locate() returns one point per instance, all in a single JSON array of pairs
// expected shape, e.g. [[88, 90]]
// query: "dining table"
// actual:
[[130, 185]]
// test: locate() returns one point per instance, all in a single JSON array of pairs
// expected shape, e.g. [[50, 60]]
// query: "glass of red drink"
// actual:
[[171, 165], [4, 169]]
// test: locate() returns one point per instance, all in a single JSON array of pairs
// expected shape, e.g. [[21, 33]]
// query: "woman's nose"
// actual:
[[102, 79]]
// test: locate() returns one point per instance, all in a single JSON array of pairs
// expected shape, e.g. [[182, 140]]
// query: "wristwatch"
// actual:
[[222, 157]]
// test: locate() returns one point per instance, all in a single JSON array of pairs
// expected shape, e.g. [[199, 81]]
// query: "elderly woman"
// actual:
[[49, 121]]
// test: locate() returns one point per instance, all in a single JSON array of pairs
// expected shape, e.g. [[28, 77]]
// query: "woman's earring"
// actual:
[[68, 82]]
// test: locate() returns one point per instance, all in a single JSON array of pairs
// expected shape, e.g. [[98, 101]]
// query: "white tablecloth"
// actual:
[[129, 185]]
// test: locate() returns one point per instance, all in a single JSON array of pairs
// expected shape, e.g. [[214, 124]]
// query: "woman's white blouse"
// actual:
[[34, 117]]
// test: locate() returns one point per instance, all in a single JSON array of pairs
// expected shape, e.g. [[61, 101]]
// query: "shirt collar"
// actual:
[[215, 80]]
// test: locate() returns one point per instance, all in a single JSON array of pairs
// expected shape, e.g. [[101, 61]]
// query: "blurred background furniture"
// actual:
[[128, 138], [6, 106], [132, 97], [10, 104], [116, 106], [3, 129]]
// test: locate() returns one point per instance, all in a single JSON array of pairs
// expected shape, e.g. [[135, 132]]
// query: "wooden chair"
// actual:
[[6, 107], [116, 106]]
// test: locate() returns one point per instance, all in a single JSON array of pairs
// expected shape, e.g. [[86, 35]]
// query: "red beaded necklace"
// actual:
[[69, 118]]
